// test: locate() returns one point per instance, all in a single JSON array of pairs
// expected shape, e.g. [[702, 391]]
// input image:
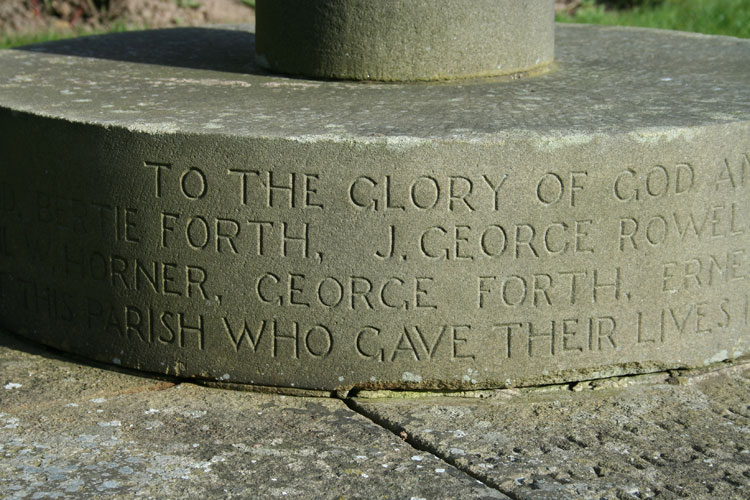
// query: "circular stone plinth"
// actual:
[[404, 40], [166, 206]]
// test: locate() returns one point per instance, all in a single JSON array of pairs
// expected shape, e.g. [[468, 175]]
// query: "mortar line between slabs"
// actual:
[[422, 445]]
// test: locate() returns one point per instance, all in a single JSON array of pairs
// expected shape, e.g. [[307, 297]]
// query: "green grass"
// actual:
[[17, 40], [7, 41], [718, 17]]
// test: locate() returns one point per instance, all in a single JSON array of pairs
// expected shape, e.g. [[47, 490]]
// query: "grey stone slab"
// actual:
[[33, 378], [72, 431], [167, 205], [609, 80], [673, 437]]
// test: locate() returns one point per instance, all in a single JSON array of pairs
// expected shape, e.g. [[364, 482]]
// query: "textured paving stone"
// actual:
[[35, 379], [68, 430], [689, 438], [71, 430]]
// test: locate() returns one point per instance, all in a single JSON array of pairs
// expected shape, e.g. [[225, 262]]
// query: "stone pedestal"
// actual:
[[405, 40], [167, 205]]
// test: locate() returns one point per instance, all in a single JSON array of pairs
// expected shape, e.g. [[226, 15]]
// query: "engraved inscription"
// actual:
[[719, 221], [279, 265], [593, 286], [516, 241], [657, 182], [455, 193]]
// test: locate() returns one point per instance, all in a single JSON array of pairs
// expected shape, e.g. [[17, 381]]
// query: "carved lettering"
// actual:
[[592, 286], [451, 193]]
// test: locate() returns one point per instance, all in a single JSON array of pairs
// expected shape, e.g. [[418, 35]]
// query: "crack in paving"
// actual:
[[422, 445], [667, 375], [417, 442]]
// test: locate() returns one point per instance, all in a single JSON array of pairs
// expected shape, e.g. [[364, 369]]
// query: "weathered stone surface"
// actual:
[[71, 431], [404, 40], [166, 204], [681, 437], [49, 380], [80, 431]]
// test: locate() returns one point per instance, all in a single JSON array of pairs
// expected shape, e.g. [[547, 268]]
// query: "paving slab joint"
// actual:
[[684, 376], [423, 446]]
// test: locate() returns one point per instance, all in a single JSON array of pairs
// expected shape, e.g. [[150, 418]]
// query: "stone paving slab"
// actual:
[[667, 437], [36, 379], [75, 431], [71, 430]]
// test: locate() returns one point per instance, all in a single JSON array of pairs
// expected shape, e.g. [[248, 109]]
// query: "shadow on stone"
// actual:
[[226, 50], [13, 342]]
